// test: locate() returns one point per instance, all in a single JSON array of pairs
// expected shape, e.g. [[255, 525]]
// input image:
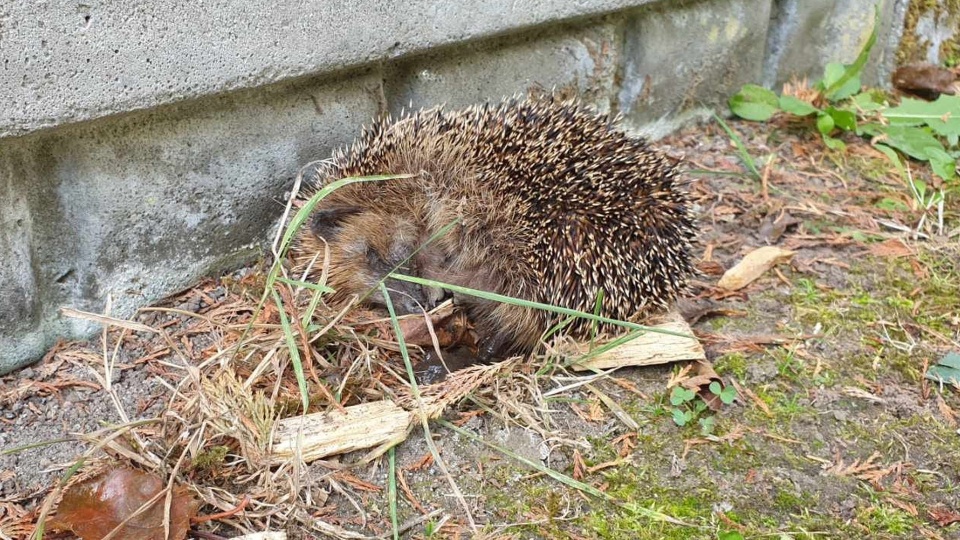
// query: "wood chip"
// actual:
[[649, 349], [753, 266], [358, 427]]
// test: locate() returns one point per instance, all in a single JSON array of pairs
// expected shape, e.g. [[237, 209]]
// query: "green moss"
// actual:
[[739, 457], [913, 47], [211, 458], [734, 364], [887, 519], [791, 501]]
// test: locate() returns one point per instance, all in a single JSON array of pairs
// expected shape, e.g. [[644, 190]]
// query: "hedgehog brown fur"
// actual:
[[554, 203]]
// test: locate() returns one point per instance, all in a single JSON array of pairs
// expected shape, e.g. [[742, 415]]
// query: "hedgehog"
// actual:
[[542, 199]]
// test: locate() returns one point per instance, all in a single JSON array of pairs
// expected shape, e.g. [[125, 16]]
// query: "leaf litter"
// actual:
[[216, 374]]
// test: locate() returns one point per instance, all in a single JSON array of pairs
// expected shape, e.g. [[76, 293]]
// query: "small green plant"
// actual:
[[687, 406], [917, 129]]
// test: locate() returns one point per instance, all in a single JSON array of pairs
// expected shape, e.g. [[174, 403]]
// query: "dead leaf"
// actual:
[[904, 505], [625, 444], [867, 470], [710, 268], [892, 248], [91, 509], [944, 516], [408, 493], [775, 224], [579, 466], [15, 520], [693, 311], [416, 330], [356, 483], [744, 391], [948, 413], [425, 461], [753, 265], [699, 382], [702, 374], [734, 435]]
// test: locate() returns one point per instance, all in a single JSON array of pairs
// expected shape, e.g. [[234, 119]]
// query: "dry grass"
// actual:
[[271, 351]]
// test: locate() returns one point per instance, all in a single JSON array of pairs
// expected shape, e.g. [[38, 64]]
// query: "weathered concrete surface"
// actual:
[[66, 61], [137, 207], [683, 56], [580, 61], [805, 35]]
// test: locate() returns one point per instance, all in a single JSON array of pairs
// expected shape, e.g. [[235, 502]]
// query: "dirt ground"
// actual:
[[835, 432]]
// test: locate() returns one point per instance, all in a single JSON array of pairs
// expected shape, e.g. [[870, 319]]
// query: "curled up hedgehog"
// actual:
[[551, 203]]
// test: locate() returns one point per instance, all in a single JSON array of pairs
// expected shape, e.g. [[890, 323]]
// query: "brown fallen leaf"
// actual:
[[699, 382], [904, 505], [579, 466], [734, 435], [693, 310], [710, 268], [891, 248], [926, 81], [745, 391], [446, 326], [948, 413], [753, 265], [775, 224], [868, 470], [944, 516], [701, 374], [93, 508]]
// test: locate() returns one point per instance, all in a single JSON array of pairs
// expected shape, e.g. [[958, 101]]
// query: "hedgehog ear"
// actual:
[[326, 222]]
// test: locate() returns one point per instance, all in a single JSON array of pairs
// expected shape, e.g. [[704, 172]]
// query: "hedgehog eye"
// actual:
[[326, 222], [374, 258]]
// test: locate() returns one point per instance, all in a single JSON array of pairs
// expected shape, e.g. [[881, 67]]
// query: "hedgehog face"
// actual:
[[365, 246]]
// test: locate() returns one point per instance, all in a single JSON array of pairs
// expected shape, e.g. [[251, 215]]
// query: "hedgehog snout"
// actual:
[[412, 298]]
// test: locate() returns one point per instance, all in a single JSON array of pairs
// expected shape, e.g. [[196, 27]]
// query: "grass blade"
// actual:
[[294, 351], [534, 305], [741, 148]]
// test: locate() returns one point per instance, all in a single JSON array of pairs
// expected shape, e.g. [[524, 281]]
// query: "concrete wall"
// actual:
[[143, 145]]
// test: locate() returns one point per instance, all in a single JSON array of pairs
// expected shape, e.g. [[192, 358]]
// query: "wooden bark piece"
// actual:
[[753, 266], [649, 349], [363, 426]]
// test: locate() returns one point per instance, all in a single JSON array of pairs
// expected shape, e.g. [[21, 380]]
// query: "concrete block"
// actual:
[[137, 207], [682, 56], [805, 35], [62, 62], [579, 60]]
